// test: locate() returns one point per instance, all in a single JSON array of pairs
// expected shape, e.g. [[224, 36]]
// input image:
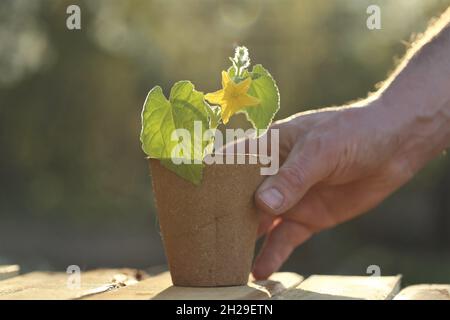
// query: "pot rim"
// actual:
[[267, 159]]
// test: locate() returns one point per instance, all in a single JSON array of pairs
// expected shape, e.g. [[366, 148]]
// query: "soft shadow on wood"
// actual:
[[258, 290], [217, 293]]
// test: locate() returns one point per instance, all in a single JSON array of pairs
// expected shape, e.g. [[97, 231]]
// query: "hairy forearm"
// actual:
[[417, 96]]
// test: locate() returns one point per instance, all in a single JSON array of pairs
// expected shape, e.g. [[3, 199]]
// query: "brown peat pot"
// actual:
[[209, 231]]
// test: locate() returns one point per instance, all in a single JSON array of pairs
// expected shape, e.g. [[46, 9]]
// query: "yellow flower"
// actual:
[[233, 97]]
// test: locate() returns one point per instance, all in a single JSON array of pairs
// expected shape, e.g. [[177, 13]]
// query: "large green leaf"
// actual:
[[157, 125], [188, 106], [161, 117], [265, 89]]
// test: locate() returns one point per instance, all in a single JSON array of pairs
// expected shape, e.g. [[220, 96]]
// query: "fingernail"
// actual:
[[272, 198]]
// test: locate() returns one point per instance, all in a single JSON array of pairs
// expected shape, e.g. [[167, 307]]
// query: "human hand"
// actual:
[[336, 164]]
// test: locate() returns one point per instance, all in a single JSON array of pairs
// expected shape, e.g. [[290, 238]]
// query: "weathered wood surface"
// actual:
[[9, 271], [51, 285], [155, 283], [425, 292], [160, 287], [319, 287]]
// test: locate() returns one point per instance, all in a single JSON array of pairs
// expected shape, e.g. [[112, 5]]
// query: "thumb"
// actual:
[[280, 192]]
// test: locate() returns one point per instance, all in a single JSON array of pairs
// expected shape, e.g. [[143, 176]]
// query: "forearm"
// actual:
[[417, 96]]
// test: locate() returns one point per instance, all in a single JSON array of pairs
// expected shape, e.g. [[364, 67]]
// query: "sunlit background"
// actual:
[[74, 184]]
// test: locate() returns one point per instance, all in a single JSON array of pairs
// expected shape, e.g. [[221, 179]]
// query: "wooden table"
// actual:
[[155, 283]]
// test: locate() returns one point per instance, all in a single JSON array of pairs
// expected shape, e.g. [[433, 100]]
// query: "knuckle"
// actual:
[[320, 144]]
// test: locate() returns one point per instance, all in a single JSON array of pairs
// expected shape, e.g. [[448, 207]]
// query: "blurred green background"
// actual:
[[74, 184]]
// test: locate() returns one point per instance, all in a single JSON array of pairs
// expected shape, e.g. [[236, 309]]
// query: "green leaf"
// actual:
[[161, 117], [265, 89], [157, 125], [189, 106], [192, 172]]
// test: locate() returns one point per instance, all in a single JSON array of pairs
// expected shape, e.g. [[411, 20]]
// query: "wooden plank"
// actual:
[[320, 287], [52, 285], [160, 287], [9, 271], [425, 292]]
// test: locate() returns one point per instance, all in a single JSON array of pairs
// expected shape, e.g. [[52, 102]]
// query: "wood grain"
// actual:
[[425, 292], [155, 283], [51, 285], [320, 287], [9, 271], [160, 287]]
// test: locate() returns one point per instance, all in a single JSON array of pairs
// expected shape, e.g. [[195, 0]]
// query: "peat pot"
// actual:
[[209, 231]]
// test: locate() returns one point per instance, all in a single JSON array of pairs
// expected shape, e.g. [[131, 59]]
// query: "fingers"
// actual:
[[318, 210], [308, 216], [279, 244], [303, 168], [265, 222]]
